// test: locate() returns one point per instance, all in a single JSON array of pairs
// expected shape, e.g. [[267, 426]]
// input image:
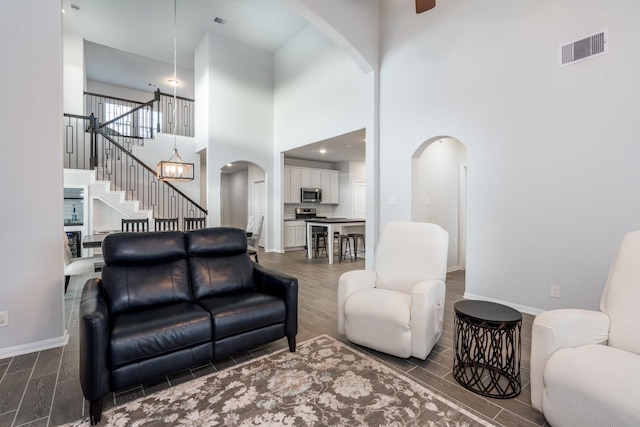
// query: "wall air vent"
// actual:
[[585, 48]]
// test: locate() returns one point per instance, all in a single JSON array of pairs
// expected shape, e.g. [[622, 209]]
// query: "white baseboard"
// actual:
[[520, 308], [32, 347]]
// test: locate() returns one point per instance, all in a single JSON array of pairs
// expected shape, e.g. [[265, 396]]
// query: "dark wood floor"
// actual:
[[41, 389]]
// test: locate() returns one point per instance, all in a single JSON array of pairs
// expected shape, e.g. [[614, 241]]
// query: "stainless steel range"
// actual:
[[308, 213]]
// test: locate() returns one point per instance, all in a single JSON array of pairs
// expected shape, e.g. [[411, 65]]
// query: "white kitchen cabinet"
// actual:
[[286, 185], [291, 184], [300, 177], [305, 177], [330, 188], [294, 234], [295, 185]]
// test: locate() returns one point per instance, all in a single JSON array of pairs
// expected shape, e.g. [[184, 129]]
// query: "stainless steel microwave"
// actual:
[[311, 195]]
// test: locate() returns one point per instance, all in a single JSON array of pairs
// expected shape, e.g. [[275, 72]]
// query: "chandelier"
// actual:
[[175, 169]]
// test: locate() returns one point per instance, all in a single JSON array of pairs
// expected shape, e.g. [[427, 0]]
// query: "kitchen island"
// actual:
[[331, 225]]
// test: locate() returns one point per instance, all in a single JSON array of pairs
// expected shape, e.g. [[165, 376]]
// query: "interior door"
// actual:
[[359, 199]]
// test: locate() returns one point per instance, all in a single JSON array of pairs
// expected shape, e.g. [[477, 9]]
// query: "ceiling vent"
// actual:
[[588, 47]]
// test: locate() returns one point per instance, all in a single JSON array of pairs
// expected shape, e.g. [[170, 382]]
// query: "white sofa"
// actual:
[[585, 365], [398, 307]]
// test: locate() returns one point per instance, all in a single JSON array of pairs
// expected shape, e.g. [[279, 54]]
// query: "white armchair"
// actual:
[[585, 364], [77, 266], [398, 307], [254, 232]]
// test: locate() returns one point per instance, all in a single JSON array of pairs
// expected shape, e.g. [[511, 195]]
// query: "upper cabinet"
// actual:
[[299, 177]]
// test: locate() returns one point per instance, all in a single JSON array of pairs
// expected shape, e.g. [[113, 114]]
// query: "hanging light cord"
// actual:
[[175, 76]]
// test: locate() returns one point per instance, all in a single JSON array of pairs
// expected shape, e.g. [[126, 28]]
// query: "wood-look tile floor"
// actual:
[[42, 389]]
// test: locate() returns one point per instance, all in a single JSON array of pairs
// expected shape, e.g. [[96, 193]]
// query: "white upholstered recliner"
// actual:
[[585, 365], [398, 306], [77, 266]]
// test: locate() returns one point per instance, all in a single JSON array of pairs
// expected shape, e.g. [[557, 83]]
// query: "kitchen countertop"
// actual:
[[335, 220]]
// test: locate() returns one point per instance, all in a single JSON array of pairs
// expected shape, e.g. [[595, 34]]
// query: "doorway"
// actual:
[[242, 193], [438, 192]]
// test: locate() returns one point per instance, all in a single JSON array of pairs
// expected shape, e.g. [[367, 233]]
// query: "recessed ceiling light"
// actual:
[[322, 151], [174, 82], [219, 20]]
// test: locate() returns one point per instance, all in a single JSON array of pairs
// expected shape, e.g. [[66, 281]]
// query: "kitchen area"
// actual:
[[331, 196]]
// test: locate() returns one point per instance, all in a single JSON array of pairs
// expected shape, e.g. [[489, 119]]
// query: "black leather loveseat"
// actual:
[[170, 300]]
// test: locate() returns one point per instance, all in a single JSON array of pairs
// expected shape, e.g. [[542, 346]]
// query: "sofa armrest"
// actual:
[[273, 282], [348, 283], [94, 341], [556, 329], [427, 316]]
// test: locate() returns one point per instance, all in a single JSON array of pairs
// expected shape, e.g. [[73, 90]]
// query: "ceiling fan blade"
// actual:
[[424, 5]]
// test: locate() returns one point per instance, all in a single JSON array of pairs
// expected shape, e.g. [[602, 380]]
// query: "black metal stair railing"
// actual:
[[125, 118], [90, 145]]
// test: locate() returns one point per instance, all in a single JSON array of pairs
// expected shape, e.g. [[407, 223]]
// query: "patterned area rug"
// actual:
[[325, 383]]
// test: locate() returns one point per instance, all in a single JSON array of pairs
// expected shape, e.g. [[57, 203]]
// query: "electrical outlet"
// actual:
[[4, 318], [555, 291]]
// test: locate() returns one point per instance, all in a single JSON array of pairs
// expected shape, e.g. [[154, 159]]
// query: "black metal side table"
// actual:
[[487, 348]]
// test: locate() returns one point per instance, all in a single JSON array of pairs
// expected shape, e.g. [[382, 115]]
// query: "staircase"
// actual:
[[101, 157], [114, 199]]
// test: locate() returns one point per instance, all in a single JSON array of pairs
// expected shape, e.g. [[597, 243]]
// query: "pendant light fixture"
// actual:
[[175, 169]]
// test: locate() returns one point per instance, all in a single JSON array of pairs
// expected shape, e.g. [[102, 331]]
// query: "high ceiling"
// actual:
[[128, 38], [129, 43]]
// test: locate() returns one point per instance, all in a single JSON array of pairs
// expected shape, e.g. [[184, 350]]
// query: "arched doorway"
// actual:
[[242, 193], [438, 192]]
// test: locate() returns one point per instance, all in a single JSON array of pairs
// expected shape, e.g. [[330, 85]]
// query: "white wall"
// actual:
[[31, 220], [552, 152], [119, 91], [239, 89], [319, 91], [74, 74]]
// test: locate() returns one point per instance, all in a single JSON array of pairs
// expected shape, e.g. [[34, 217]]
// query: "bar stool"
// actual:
[[355, 237], [344, 247], [319, 241]]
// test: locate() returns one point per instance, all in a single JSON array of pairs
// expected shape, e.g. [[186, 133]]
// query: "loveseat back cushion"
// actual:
[[622, 293], [145, 269], [218, 261]]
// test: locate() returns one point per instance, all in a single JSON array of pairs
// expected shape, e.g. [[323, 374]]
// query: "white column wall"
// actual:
[[239, 112], [31, 219], [320, 92]]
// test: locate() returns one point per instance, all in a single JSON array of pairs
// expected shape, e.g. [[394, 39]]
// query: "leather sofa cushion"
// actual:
[[218, 262], [247, 311], [152, 332], [137, 287], [216, 241], [145, 269], [143, 248]]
